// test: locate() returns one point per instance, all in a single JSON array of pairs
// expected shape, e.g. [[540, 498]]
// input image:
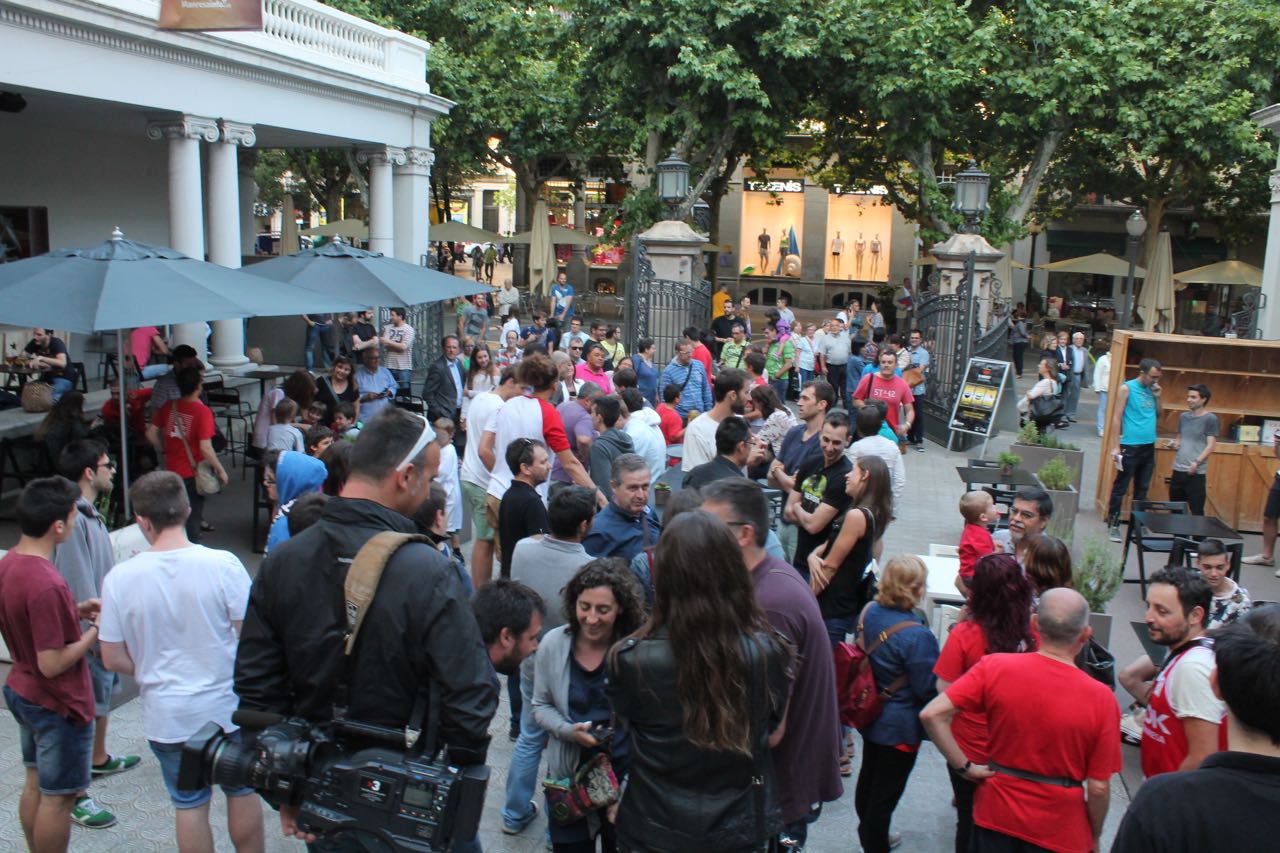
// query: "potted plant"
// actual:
[[1038, 448], [661, 492], [1008, 461], [1055, 477], [1098, 576]]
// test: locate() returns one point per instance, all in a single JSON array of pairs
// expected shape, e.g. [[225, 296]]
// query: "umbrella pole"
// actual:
[[124, 423]]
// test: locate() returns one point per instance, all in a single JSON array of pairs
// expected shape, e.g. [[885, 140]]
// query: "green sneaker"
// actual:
[[90, 814], [115, 764]]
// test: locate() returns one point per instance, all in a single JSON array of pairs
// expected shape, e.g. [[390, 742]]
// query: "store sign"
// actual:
[[975, 408], [841, 189], [210, 14], [785, 185]]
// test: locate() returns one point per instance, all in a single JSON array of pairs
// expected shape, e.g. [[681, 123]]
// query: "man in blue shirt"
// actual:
[[561, 304], [919, 359], [625, 526], [539, 332], [1133, 420], [375, 383], [690, 376]]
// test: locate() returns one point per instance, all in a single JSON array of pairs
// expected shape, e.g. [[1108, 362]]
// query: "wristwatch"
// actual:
[[963, 770]]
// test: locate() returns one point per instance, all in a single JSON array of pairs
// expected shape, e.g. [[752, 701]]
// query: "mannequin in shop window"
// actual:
[[837, 248], [875, 255], [783, 245], [764, 240], [859, 247]]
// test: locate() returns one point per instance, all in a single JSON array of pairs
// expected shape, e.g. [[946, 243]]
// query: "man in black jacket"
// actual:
[[419, 626], [442, 390]]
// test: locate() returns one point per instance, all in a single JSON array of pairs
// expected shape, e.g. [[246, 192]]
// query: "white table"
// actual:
[[940, 589]]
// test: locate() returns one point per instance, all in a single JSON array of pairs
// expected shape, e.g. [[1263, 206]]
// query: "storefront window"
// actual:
[[858, 230], [772, 226]]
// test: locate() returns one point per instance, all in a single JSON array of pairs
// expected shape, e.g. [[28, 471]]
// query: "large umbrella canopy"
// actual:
[[558, 234], [1223, 272], [351, 229], [1097, 264], [289, 241], [543, 267], [1156, 303], [461, 232], [367, 278], [121, 284]]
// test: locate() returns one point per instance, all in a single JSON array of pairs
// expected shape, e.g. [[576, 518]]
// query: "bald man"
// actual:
[[1048, 723]]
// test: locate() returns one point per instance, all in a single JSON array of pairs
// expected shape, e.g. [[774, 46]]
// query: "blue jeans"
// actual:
[[169, 756], [317, 334], [1102, 411], [403, 378], [58, 749], [839, 627], [805, 376], [780, 385], [60, 387], [526, 757], [1071, 394]]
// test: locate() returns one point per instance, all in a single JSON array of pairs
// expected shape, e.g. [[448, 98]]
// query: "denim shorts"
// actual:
[[59, 749], [170, 757], [104, 684]]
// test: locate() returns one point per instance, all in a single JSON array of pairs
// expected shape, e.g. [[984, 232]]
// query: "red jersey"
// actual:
[[1047, 717], [894, 392], [37, 614], [702, 354], [975, 543], [196, 421], [670, 423], [965, 646], [1164, 739]]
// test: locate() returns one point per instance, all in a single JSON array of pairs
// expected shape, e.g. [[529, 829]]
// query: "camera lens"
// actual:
[[233, 765]]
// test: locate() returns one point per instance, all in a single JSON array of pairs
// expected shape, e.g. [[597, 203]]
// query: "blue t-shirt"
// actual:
[[1139, 415], [560, 293]]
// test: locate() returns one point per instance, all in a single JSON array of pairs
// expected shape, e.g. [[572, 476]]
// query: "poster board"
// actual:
[[979, 399], [210, 15]]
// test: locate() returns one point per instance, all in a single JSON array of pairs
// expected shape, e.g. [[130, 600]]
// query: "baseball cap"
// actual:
[[842, 317]]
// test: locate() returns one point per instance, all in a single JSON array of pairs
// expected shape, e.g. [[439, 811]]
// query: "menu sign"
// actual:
[[979, 397]]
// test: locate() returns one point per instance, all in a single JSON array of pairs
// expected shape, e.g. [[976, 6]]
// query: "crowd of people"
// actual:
[[686, 645]]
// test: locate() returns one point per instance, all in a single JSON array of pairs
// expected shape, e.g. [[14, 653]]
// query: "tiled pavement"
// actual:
[[924, 817]]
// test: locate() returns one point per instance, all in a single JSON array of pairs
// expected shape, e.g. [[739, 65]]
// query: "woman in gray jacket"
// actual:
[[602, 603]]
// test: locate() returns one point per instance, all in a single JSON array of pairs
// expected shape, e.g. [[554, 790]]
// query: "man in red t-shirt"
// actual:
[[1052, 730], [48, 688], [183, 431], [700, 351], [886, 385]]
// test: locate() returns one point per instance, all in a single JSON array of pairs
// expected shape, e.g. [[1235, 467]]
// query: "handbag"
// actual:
[[593, 786], [1098, 663], [37, 396], [1047, 407], [207, 482], [861, 701]]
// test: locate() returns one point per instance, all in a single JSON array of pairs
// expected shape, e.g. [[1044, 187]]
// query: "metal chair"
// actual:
[[1144, 540], [226, 403]]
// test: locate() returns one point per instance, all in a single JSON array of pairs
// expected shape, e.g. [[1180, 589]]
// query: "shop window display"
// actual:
[[858, 229], [772, 231]]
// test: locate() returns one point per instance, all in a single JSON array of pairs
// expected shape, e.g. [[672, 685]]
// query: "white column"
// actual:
[[186, 205], [413, 204], [224, 231], [381, 199]]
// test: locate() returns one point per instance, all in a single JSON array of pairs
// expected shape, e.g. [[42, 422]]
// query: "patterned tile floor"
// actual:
[[924, 816]]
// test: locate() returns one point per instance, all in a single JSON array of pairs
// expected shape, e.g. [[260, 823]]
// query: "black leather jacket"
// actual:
[[420, 626], [679, 797]]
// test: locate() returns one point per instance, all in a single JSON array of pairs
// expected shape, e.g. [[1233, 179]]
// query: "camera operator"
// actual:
[[419, 626]]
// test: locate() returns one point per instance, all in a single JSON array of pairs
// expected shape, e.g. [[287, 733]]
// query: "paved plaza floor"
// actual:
[[924, 817]]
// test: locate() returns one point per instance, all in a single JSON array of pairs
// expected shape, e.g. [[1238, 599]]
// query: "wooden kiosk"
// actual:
[[1244, 380]]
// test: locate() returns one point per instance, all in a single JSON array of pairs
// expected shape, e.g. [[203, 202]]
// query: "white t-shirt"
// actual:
[[1187, 687], [447, 477], [878, 445], [699, 441], [649, 443], [174, 610], [519, 417], [479, 418], [403, 334]]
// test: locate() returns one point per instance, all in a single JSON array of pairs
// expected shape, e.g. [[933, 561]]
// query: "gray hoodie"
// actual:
[[608, 446], [86, 557]]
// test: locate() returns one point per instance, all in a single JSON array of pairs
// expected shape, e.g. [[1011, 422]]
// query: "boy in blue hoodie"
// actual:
[[296, 474]]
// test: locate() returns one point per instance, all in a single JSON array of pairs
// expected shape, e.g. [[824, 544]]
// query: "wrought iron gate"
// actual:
[[956, 327], [661, 309]]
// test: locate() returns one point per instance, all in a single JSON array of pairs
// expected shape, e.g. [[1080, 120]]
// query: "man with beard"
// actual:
[[1183, 725], [1030, 513], [819, 498], [730, 392]]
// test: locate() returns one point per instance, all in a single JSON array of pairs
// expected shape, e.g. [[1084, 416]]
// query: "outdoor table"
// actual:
[[265, 375], [22, 371], [940, 586], [1176, 524], [994, 477]]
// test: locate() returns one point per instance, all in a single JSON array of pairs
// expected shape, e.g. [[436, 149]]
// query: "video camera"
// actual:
[[407, 800]]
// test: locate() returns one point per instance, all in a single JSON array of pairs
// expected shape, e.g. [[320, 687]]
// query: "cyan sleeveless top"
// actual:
[[1139, 415]]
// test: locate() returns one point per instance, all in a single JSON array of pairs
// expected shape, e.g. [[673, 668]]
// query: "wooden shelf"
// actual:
[[1224, 410], [1169, 369]]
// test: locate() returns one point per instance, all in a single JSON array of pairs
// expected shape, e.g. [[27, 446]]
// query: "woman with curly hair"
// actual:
[[602, 603], [703, 686], [999, 622]]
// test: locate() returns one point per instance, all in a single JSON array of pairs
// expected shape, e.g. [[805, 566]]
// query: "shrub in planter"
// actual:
[[1055, 476], [1097, 576], [1037, 449], [1008, 461]]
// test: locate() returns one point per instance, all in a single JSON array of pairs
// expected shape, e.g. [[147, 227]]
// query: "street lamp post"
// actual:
[[1135, 226], [673, 181], [970, 200]]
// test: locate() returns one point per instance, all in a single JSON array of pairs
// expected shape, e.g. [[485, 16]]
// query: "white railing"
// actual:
[[319, 29]]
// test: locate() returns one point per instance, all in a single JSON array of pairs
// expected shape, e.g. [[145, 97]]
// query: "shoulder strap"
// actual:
[[176, 414]]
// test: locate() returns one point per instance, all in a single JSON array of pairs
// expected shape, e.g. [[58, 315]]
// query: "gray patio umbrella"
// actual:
[[369, 278], [121, 284], [461, 232]]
